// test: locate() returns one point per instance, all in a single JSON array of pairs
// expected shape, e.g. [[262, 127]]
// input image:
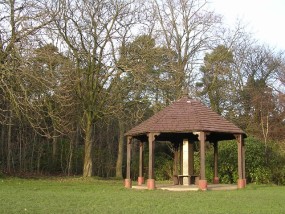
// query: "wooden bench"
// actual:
[[192, 179]]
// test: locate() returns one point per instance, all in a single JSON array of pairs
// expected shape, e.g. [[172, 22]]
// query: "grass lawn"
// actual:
[[77, 195]]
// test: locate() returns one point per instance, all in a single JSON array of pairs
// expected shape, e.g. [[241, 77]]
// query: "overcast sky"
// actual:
[[265, 18]]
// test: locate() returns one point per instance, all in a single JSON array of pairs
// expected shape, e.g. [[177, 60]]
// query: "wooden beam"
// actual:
[[216, 178], [141, 178], [243, 158], [175, 168], [202, 180], [202, 139], [128, 180], [129, 144], [151, 156], [240, 160], [141, 160], [151, 142]]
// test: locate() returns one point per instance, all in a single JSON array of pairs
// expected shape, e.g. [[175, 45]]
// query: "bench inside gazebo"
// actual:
[[183, 123]]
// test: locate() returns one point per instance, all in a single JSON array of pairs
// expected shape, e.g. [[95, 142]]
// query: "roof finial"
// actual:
[[185, 92]]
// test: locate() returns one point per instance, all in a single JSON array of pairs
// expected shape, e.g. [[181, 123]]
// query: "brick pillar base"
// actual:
[[244, 180], [128, 183], [140, 181], [150, 184], [202, 184], [241, 183], [216, 180]]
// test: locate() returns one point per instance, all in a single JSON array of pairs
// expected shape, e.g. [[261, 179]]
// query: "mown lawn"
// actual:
[[79, 195]]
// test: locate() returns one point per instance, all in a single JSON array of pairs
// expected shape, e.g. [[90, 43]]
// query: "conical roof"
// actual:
[[184, 116]]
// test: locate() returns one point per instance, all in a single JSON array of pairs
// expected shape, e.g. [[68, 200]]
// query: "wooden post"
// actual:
[[191, 158], [128, 180], [141, 178], [243, 157], [151, 181], [175, 168], [202, 156], [180, 157], [216, 178], [241, 181], [202, 180]]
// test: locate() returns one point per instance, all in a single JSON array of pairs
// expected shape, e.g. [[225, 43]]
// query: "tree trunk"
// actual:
[[25, 148], [119, 164], [54, 148], [71, 148], [73, 142], [20, 140], [9, 142], [2, 146], [39, 157], [88, 151]]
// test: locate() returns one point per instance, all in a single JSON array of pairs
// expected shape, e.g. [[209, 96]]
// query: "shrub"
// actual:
[[227, 162], [164, 167], [278, 176], [263, 164], [260, 175]]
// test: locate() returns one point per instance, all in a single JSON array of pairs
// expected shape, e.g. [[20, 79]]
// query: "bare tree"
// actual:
[[89, 30], [186, 27], [20, 21]]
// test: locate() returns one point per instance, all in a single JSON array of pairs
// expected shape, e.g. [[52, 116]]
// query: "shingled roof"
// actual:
[[184, 116]]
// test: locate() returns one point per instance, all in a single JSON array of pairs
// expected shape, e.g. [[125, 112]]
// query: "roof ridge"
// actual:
[[198, 116]]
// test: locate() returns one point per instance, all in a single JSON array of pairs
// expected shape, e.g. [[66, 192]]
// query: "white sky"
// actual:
[[265, 18]]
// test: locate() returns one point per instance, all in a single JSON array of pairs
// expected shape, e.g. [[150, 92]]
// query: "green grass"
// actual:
[[79, 195]]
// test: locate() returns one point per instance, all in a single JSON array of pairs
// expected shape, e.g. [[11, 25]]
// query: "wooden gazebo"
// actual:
[[182, 123]]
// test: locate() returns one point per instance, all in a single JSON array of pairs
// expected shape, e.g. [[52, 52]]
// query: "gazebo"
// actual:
[[183, 123]]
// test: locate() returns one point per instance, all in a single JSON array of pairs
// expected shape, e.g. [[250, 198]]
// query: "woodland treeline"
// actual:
[[77, 74]]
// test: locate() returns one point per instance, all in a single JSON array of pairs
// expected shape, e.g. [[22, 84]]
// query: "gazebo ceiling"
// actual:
[[182, 118]]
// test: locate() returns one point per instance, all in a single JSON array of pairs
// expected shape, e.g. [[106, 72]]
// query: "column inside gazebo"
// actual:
[[191, 162], [216, 178], [176, 161], [141, 178], [187, 165]]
